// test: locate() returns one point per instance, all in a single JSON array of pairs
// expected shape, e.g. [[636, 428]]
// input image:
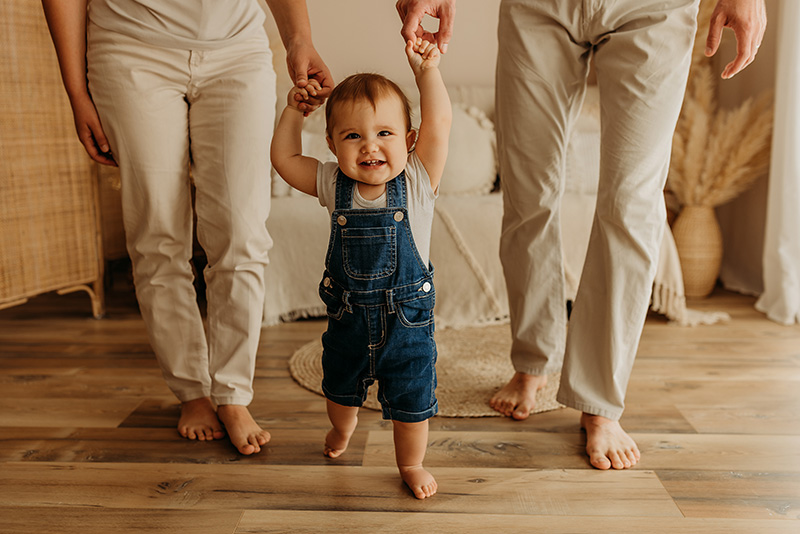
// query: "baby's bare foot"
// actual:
[[420, 481], [607, 444], [246, 435], [336, 443], [199, 420], [517, 399]]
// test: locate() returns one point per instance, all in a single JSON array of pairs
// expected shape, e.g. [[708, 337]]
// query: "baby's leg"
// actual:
[[344, 420], [410, 443]]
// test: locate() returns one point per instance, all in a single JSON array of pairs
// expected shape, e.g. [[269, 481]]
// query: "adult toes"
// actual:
[[617, 461], [247, 449], [600, 461]]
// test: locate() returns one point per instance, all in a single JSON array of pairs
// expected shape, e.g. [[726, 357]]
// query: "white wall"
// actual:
[[364, 36]]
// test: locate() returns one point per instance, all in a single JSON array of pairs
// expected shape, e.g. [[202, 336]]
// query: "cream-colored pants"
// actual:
[[166, 111], [641, 53]]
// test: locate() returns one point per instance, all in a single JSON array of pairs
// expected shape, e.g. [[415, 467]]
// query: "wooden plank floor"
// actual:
[[88, 445]]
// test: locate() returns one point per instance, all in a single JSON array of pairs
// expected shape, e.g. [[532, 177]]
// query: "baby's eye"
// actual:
[[384, 133], [352, 136]]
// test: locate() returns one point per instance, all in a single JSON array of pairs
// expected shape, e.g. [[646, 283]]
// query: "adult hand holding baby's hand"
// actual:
[[412, 13], [305, 99], [422, 55]]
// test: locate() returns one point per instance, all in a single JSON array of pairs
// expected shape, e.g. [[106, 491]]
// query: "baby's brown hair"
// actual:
[[367, 86]]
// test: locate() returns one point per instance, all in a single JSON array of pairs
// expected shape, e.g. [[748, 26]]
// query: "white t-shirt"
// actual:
[[185, 24], [420, 199]]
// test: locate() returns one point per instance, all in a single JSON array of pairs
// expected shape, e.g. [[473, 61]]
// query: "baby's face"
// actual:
[[371, 144]]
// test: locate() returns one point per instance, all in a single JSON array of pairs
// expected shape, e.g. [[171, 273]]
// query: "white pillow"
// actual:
[[471, 167]]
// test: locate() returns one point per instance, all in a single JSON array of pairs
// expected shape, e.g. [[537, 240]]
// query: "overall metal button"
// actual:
[[426, 287], [398, 216], [326, 282], [342, 220]]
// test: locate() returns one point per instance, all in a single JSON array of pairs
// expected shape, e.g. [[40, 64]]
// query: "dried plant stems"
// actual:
[[717, 153]]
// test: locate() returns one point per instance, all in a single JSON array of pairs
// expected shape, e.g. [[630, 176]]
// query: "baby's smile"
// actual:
[[372, 163]]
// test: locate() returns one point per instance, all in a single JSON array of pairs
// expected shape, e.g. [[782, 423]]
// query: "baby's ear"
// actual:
[[330, 144], [411, 137]]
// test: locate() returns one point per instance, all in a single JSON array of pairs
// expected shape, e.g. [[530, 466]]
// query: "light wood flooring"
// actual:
[[88, 442]]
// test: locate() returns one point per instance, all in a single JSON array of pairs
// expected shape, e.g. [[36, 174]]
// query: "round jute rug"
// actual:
[[473, 364]]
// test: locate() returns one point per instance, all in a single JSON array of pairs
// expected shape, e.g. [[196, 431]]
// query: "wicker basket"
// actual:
[[48, 193], [699, 243]]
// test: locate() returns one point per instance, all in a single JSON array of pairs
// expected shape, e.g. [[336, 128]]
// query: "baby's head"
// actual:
[[366, 87], [368, 126]]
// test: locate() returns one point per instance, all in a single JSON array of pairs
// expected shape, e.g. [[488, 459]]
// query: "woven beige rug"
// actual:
[[473, 364]]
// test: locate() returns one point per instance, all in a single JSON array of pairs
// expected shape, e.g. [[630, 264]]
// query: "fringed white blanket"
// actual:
[[668, 297]]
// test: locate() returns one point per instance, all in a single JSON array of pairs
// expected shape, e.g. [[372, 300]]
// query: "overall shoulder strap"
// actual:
[[396, 194], [344, 191]]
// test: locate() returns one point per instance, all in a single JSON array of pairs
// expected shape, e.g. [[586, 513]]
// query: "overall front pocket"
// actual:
[[369, 253], [417, 312]]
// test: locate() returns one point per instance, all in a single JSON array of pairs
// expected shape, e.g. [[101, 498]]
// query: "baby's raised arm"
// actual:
[[286, 152], [435, 109]]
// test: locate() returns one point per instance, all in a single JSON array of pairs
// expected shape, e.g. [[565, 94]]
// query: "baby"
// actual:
[[378, 281]]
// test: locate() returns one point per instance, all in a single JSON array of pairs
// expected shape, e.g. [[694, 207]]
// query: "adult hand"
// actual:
[[412, 12], [748, 20], [305, 63], [90, 132]]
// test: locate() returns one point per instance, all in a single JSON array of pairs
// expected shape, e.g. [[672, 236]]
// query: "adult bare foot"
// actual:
[[420, 481], [517, 399], [607, 444], [243, 430], [199, 420], [336, 443]]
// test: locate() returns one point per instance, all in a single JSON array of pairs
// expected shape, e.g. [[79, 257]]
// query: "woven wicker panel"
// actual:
[[48, 229]]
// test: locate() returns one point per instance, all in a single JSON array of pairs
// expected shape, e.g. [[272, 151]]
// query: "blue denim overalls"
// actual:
[[379, 297]]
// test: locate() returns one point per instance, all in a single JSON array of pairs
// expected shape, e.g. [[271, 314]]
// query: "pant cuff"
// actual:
[[410, 417], [352, 401], [190, 395], [592, 409], [238, 400], [537, 370]]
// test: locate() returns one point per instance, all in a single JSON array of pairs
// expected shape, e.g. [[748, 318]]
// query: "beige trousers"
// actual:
[[641, 53], [167, 111]]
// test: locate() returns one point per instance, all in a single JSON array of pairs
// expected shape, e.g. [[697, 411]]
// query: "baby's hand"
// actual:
[[300, 98], [422, 55]]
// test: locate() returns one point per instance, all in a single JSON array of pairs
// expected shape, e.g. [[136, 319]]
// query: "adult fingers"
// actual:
[[412, 20], [94, 141], [298, 64], [447, 17], [744, 46], [91, 146], [714, 33]]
